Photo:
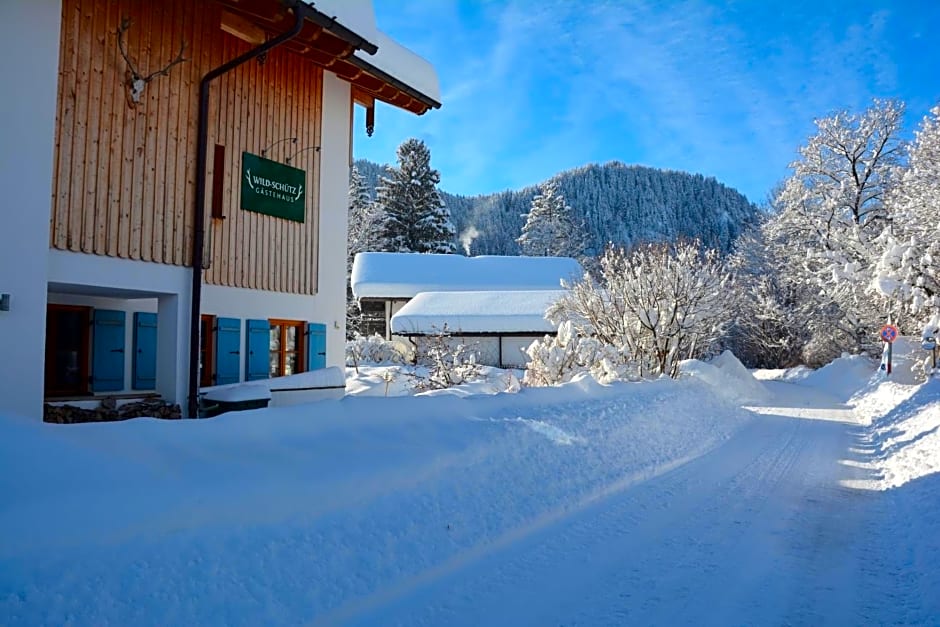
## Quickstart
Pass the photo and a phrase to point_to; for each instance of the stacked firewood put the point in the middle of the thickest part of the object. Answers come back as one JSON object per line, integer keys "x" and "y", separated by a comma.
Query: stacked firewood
{"x": 108, "y": 410}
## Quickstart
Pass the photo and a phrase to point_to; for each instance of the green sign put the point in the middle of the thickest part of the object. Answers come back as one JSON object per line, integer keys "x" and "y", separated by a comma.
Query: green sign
{"x": 273, "y": 188}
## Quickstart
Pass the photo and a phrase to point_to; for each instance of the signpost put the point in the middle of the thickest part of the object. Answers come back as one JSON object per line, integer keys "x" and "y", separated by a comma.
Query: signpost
{"x": 273, "y": 188}
{"x": 888, "y": 334}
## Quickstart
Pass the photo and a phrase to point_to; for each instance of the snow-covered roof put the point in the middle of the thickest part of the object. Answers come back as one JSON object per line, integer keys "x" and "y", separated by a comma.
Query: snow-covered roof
{"x": 403, "y": 275}
{"x": 401, "y": 63}
{"x": 391, "y": 58}
{"x": 477, "y": 312}
{"x": 356, "y": 15}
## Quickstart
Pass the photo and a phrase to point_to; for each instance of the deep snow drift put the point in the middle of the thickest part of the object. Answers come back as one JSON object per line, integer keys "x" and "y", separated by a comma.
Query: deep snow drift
{"x": 393, "y": 510}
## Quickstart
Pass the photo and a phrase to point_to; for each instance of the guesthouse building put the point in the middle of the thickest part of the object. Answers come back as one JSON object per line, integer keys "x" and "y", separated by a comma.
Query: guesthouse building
{"x": 175, "y": 179}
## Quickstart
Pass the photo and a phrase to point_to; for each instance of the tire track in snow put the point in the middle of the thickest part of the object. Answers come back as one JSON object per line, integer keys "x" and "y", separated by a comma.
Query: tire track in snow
{"x": 662, "y": 551}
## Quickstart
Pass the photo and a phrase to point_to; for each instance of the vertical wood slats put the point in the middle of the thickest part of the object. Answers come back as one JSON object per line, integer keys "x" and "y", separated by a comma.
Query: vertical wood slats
{"x": 125, "y": 176}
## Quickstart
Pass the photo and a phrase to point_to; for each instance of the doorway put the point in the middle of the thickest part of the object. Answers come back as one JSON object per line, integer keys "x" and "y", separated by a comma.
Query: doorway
{"x": 67, "y": 350}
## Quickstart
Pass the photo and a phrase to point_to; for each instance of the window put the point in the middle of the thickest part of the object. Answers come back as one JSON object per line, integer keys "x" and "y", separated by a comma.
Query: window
{"x": 373, "y": 317}
{"x": 286, "y": 347}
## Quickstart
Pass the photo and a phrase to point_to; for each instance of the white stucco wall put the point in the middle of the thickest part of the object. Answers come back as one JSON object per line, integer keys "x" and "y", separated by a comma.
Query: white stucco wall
{"x": 514, "y": 351}
{"x": 334, "y": 206}
{"x": 29, "y": 67}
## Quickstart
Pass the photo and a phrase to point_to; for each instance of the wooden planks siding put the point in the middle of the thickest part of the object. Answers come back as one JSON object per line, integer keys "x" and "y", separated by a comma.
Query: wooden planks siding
{"x": 125, "y": 176}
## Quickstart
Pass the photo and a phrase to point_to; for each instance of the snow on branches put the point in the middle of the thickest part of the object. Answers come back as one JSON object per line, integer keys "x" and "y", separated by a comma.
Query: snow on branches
{"x": 826, "y": 236}
{"x": 909, "y": 267}
{"x": 649, "y": 310}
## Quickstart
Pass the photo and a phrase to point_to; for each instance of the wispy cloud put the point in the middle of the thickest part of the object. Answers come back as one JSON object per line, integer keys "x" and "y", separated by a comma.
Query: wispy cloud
{"x": 727, "y": 90}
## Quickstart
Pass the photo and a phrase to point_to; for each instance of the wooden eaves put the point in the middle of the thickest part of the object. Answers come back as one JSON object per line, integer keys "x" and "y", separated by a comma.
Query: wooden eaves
{"x": 331, "y": 48}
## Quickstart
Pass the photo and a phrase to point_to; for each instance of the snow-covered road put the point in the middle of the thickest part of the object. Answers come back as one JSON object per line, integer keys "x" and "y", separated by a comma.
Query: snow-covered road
{"x": 759, "y": 527}
{"x": 660, "y": 502}
{"x": 760, "y": 530}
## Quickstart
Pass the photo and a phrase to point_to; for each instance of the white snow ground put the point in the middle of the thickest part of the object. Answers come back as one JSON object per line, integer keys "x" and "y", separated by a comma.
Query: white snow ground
{"x": 663, "y": 502}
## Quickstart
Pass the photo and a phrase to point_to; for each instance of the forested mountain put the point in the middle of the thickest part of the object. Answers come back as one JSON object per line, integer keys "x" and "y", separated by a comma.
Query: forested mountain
{"x": 623, "y": 204}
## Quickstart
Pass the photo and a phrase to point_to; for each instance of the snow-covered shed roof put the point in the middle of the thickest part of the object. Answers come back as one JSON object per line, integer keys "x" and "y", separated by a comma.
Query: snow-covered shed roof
{"x": 403, "y": 275}
{"x": 477, "y": 312}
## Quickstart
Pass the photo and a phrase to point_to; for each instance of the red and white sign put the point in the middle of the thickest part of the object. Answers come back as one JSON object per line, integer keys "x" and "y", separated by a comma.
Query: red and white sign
{"x": 888, "y": 333}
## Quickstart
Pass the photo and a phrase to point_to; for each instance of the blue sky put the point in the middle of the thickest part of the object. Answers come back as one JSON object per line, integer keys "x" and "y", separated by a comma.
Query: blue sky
{"x": 725, "y": 89}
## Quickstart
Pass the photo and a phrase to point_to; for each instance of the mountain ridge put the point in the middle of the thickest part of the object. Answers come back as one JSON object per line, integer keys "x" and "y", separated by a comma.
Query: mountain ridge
{"x": 618, "y": 203}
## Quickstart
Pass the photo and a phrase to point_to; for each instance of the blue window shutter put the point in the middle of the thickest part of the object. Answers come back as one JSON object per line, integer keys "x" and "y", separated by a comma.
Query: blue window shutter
{"x": 145, "y": 351}
{"x": 228, "y": 333}
{"x": 258, "y": 341}
{"x": 316, "y": 346}
{"x": 107, "y": 361}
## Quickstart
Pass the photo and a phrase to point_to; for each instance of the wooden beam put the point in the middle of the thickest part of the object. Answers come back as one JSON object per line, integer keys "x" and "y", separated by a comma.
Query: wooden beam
{"x": 242, "y": 28}
{"x": 362, "y": 97}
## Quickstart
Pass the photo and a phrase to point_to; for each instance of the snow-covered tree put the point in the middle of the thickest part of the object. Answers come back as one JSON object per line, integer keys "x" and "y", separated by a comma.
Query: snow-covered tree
{"x": 825, "y": 237}
{"x": 558, "y": 358}
{"x": 549, "y": 229}
{"x": 365, "y": 219}
{"x": 909, "y": 268}
{"x": 768, "y": 329}
{"x": 364, "y": 234}
{"x": 416, "y": 219}
{"x": 656, "y": 306}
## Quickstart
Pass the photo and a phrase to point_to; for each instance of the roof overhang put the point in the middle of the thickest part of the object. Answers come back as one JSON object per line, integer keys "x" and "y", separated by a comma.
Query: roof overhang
{"x": 331, "y": 45}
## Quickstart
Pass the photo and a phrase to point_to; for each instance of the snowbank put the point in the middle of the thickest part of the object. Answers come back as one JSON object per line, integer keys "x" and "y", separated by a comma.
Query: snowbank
{"x": 728, "y": 377}
{"x": 842, "y": 377}
{"x": 904, "y": 431}
{"x": 278, "y": 516}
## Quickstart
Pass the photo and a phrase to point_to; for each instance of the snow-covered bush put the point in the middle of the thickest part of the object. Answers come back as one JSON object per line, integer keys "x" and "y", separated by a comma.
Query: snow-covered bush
{"x": 655, "y": 306}
{"x": 374, "y": 350}
{"x": 449, "y": 361}
{"x": 559, "y": 358}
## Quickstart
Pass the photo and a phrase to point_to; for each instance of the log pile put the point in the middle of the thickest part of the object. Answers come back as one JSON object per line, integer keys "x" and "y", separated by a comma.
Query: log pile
{"x": 108, "y": 411}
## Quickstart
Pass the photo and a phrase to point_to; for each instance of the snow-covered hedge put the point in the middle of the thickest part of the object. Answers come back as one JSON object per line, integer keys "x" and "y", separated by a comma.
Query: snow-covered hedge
{"x": 375, "y": 350}
{"x": 558, "y": 359}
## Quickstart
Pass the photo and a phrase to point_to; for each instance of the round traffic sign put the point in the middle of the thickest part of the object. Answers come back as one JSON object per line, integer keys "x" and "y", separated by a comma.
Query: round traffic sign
{"x": 889, "y": 333}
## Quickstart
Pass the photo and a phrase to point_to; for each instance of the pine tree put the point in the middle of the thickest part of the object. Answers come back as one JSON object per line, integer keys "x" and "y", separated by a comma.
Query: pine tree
{"x": 549, "y": 230}
{"x": 416, "y": 217}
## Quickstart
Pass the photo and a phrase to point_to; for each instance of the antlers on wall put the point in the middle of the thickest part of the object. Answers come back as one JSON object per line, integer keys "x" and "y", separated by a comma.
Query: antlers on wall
{"x": 134, "y": 80}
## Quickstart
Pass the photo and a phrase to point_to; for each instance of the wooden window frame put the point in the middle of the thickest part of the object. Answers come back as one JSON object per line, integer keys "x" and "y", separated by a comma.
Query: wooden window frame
{"x": 300, "y": 350}
{"x": 84, "y": 365}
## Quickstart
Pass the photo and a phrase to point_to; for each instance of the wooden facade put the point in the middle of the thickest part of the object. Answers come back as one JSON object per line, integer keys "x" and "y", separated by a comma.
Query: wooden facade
{"x": 125, "y": 175}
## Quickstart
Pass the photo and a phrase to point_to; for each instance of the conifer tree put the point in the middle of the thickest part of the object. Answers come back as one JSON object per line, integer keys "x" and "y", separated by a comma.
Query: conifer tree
{"x": 365, "y": 219}
{"x": 364, "y": 234}
{"x": 549, "y": 230}
{"x": 416, "y": 219}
